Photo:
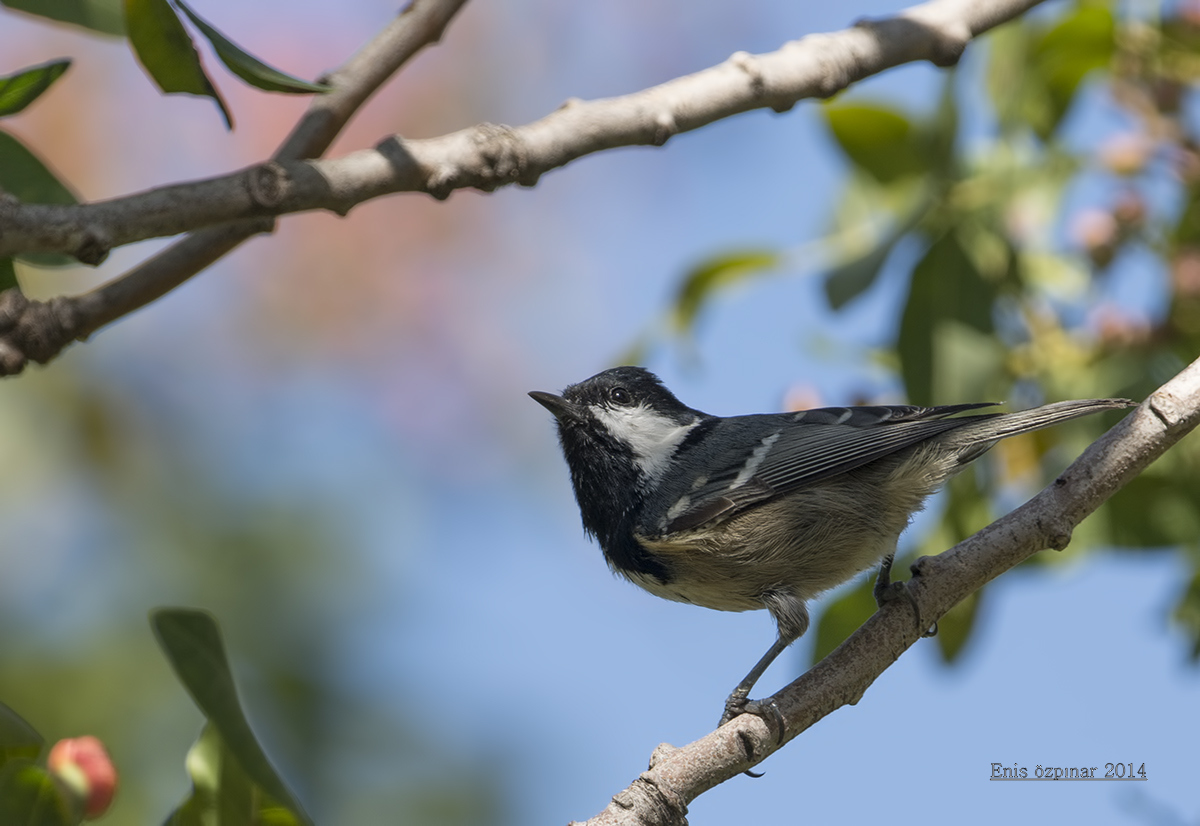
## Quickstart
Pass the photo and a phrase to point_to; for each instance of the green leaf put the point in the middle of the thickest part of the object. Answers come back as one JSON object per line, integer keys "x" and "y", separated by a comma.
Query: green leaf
{"x": 192, "y": 643}
{"x": 1077, "y": 45}
{"x": 849, "y": 280}
{"x": 168, "y": 53}
{"x": 18, "y": 739}
{"x": 104, "y": 16}
{"x": 1156, "y": 509}
{"x": 19, "y": 90}
{"x": 8, "y": 275}
{"x": 247, "y": 66}
{"x": 221, "y": 792}
{"x": 717, "y": 272}
{"x": 26, "y": 178}
{"x": 878, "y": 140}
{"x": 842, "y": 617}
{"x": 29, "y": 796}
{"x": 1187, "y": 614}
{"x": 945, "y": 287}
{"x": 1035, "y": 71}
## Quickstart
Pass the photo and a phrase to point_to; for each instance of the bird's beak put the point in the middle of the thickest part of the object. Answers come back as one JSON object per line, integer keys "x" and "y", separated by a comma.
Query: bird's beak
{"x": 560, "y": 407}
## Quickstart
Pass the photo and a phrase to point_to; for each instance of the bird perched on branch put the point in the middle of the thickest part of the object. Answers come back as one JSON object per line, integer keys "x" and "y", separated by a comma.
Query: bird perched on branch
{"x": 766, "y": 510}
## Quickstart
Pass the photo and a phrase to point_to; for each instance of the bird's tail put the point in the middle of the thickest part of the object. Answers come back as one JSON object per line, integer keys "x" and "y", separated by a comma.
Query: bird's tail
{"x": 983, "y": 432}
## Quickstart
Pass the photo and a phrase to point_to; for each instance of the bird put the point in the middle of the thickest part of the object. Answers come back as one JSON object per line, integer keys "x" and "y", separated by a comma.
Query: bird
{"x": 762, "y": 511}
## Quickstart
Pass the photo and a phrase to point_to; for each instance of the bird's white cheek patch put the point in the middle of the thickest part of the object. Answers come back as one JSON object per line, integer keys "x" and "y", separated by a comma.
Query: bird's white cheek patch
{"x": 652, "y": 438}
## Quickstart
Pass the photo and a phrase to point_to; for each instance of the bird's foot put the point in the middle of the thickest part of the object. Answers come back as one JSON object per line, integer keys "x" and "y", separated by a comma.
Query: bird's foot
{"x": 887, "y": 591}
{"x": 738, "y": 704}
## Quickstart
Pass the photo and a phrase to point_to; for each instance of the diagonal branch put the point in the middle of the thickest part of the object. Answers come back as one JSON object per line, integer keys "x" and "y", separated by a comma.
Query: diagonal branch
{"x": 38, "y": 331}
{"x": 677, "y": 776}
{"x": 484, "y": 156}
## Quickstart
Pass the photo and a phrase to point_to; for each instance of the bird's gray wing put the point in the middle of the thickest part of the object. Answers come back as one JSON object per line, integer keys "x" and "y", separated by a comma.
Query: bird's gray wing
{"x": 779, "y": 453}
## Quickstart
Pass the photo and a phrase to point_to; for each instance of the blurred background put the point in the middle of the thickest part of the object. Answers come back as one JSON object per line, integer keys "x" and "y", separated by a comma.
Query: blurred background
{"x": 325, "y": 440}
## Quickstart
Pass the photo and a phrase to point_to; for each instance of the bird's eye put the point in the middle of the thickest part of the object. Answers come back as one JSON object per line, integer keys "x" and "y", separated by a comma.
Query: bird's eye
{"x": 620, "y": 395}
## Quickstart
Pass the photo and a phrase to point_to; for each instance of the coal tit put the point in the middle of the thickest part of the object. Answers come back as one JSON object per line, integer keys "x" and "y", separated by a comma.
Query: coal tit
{"x": 761, "y": 511}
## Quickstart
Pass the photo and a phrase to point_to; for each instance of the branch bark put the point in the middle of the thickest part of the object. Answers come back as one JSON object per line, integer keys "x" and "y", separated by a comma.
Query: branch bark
{"x": 677, "y": 776}
{"x": 483, "y": 157}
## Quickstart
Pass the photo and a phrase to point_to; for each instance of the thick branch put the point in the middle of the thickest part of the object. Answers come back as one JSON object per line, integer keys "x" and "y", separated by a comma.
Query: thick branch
{"x": 487, "y": 156}
{"x": 677, "y": 776}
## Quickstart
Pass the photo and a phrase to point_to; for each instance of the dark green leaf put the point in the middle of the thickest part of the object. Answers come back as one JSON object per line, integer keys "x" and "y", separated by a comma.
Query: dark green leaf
{"x": 19, "y": 90}
{"x": 29, "y": 796}
{"x": 102, "y": 16}
{"x": 167, "y": 52}
{"x": 1080, "y": 43}
{"x": 247, "y": 66}
{"x": 8, "y": 275}
{"x": 192, "y": 643}
{"x": 716, "y": 273}
{"x": 18, "y": 739}
{"x": 1034, "y": 71}
{"x": 877, "y": 139}
{"x": 26, "y": 178}
{"x": 842, "y": 617}
{"x": 1156, "y": 510}
{"x": 945, "y": 287}
{"x": 221, "y": 791}
{"x": 955, "y": 626}
{"x": 1187, "y": 614}
{"x": 849, "y": 280}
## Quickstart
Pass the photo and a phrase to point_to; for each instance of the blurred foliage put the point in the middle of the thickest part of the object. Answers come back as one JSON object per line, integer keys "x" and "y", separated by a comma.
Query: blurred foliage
{"x": 230, "y": 772}
{"x": 272, "y": 565}
{"x": 1013, "y": 297}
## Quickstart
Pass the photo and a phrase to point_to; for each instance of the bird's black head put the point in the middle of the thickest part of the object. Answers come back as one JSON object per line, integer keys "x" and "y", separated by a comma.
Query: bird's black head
{"x": 619, "y": 430}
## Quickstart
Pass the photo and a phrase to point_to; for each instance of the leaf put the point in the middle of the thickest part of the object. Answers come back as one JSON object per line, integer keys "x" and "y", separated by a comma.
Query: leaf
{"x": 854, "y": 276}
{"x": 843, "y": 616}
{"x": 104, "y": 16}
{"x": 23, "y": 88}
{"x": 945, "y": 286}
{"x": 1080, "y": 43}
{"x": 717, "y": 272}
{"x": 167, "y": 52}
{"x": 877, "y": 139}
{"x": 8, "y": 275}
{"x": 29, "y": 796}
{"x": 247, "y": 66}
{"x": 1156, "y": 509}
{"x": 26, "y": 178}
{"x": 221, "y": 792}
{"x": 1035, "y": 71}
{"x": 192, "y": 643}
{"x": 849, "y": 280}
{"x": 18, "y": 739}
{"x": 1187, "y": 614}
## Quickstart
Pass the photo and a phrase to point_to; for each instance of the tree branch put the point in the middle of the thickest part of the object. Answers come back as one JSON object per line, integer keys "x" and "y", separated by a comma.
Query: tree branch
{"x": 38, "y": 331}
{"x": 677, "y": 776}
{"x": 484, "y": 157}
{"x": 488, "y": 156}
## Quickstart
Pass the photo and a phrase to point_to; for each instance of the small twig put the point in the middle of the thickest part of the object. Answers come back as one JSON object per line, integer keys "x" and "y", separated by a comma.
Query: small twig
{"x": 677, "y": 776}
